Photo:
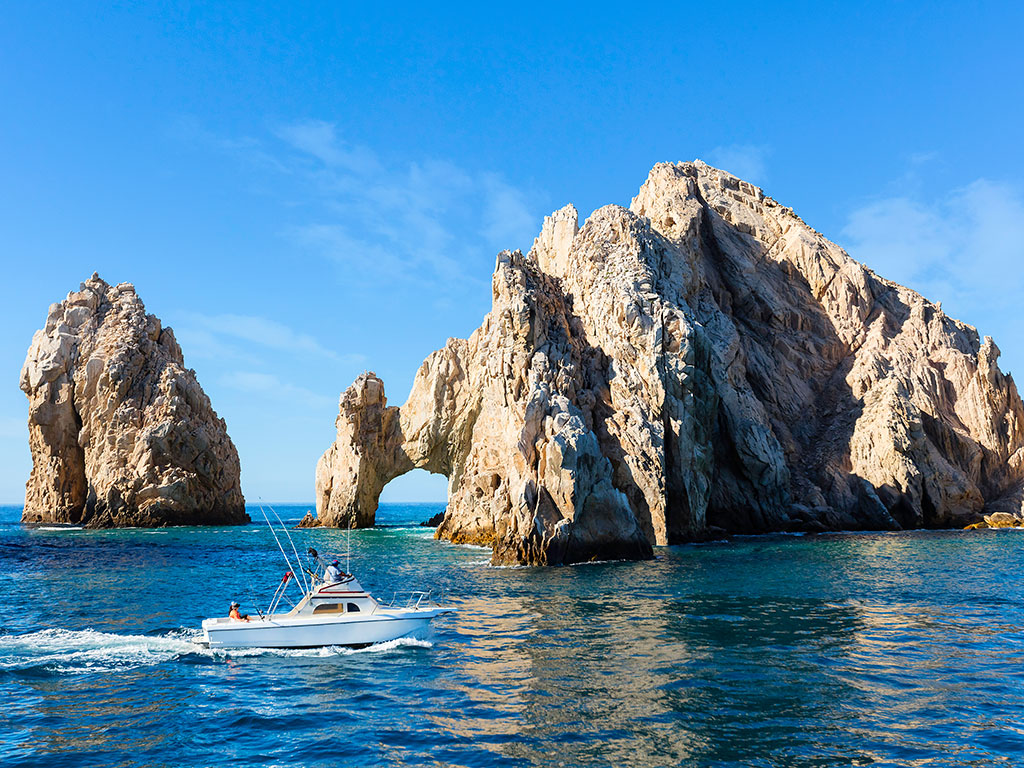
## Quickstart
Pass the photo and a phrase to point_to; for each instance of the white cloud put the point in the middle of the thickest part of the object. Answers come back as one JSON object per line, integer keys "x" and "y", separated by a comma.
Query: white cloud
{"x": 335, "y": 241}
{"x": 968, "y": 243}
{"x": 964, "y": 248}
{"x": 317, "y": 138}
{"x": 428, "y": 222}
{"x": 273, "y": 387}
{"x": 745, "y": 161}
{"x": 269, "y": 333}
{"x": 199, "y": 343}
{"x": 902, "y": 238}
{"x": 214, "y": 336}
{"x": 190, "y": 130}
{"x": 506, "y": 214}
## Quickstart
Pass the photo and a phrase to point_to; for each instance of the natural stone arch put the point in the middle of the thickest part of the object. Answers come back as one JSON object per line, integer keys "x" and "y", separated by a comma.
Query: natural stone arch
{"x": 496, "y": 414}
{"x": 369, "y": 451}
{"x": 703, "y": 362}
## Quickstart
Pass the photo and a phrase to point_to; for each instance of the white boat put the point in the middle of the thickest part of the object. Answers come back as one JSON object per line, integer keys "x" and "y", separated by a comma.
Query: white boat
{"x": 330, "y": 612}
{"x": 342, "y": 613}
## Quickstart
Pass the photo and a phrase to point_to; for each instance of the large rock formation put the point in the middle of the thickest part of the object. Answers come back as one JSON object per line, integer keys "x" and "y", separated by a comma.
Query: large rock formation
{"x": 120, "y": 431}
{"x": 701, "y": 361}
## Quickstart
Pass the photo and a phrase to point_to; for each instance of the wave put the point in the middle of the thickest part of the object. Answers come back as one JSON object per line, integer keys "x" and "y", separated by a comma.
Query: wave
{"x": 323, "y": 652}
{"x": 67, "y": 651}
{"x": 464, "y": 544}
{"x": 390, "y": 645}
{"x": 79, "y": 651}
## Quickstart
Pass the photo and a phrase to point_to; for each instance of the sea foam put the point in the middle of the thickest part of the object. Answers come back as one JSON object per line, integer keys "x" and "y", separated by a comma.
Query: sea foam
{"x": 83, "y": 651}
{"x": 87, "y": 650}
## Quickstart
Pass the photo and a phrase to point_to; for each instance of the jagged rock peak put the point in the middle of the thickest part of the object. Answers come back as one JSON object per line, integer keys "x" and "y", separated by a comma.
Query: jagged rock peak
{"x": 702, "y": 362}
{"x": 551, "y": 246}
{"x": 121, "y": 433}
{"x": 363, "y": 459}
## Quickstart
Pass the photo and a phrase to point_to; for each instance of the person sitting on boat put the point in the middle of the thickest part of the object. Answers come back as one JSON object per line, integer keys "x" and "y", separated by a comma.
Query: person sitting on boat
{"x": 234, "y": 614}
{"x": 333, "y": 572}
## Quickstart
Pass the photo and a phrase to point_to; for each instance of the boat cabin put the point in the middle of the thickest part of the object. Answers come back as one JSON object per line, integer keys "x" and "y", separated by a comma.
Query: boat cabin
{"x": 341, "y": 597}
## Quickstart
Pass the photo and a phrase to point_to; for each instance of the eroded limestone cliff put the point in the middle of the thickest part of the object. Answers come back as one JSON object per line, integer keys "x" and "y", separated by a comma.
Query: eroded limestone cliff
{"x": 120, "y": 431}
{"x": 702, "y": 361}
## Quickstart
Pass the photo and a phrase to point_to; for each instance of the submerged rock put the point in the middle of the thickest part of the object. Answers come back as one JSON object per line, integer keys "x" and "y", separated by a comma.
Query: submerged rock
{"x": 121, "y": 433}
{"x": 701, "y": 361}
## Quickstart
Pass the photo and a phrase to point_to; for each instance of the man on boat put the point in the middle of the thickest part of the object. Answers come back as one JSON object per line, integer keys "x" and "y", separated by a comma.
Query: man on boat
{"x": 333, "y": 572}
{"x": 234, "y": 614}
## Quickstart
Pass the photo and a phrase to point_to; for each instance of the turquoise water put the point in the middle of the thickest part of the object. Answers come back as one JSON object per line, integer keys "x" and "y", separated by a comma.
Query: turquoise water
{"x": 868, "y": 649}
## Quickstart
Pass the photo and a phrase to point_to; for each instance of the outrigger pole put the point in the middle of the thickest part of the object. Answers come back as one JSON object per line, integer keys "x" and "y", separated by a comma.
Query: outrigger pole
{"x": 274, "y": 534}
{"x": 306, "y": 586}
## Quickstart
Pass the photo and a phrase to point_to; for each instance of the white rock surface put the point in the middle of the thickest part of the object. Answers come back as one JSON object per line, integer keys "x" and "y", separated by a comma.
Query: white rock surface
{"x": 120, "y": 431}
{"x": 702, "y": 361}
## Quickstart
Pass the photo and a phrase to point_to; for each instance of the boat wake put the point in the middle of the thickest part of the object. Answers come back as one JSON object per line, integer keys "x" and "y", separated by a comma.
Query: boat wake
{"x": 66, "y": 651}
{"x": 71, "y": 651}
{"x": 390, "y": 645}
{"x": 323, "y": 652}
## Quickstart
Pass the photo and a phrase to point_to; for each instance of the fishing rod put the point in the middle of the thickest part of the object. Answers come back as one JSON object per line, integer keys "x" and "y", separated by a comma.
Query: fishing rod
{"x": 306, "y": 587}
{"x": 252, "y": 596}
{"x": 274, "y": 534}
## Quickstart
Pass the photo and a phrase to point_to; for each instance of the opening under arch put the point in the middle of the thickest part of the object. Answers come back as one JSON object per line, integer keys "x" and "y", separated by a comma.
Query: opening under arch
{"x": 416, "y": 496}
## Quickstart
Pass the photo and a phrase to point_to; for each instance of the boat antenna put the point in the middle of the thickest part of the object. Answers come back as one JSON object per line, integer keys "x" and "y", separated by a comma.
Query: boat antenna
{"x": 305, "y": 585}
{"x": 274, "y": 534}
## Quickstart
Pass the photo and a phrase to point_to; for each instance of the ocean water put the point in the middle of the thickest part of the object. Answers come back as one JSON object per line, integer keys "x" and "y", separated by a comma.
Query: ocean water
{"x": 870, "y": 649}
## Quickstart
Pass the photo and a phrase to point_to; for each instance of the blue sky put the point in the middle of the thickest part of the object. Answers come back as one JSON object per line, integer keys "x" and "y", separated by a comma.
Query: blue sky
{"x": 310, "y": 191}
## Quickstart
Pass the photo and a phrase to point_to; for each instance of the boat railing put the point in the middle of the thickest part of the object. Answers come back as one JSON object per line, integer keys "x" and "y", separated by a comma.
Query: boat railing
{"x": 411, "y": 599}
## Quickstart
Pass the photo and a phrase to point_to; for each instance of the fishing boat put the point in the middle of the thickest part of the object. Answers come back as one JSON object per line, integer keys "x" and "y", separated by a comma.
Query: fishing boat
{"x": 333, "y": 609}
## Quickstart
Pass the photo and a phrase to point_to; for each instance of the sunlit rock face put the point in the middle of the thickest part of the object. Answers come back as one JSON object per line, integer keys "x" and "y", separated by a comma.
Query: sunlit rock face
{"x": 701, "y": 362}
{"x": 120, "y": 431}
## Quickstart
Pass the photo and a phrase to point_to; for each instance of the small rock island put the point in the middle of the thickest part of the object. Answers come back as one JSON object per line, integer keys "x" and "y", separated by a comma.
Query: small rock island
{"x": 121, "y": 433}
{"x": 700, "y": 363}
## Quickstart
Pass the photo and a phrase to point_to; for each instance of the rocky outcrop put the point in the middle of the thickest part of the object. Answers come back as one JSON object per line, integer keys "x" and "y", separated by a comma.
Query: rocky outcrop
{"x": 997, "y": 520}
{"x": 702, "y": 361}
{"x": 366, "y": 455}
{"x": 433, "y": 521}
{"x": 120, "y": 431}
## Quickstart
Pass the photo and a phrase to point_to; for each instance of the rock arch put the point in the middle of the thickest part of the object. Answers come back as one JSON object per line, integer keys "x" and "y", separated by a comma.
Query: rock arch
{"x": 701, "y": 360}
{"x": 368, "y": 453}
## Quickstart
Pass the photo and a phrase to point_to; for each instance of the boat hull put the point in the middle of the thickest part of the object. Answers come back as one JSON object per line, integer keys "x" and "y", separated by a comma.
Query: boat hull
{"x": 298, "y": 632}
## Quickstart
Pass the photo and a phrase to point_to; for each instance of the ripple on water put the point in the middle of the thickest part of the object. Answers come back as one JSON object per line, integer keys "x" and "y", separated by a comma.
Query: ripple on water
{"x": 66, "y": 651}
{"x": 898, "y": 649}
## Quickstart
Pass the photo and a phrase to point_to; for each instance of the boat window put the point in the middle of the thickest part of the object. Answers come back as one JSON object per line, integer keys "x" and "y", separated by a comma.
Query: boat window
{"x": 353, "y": 608}
{"x": 330, "y": 608}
